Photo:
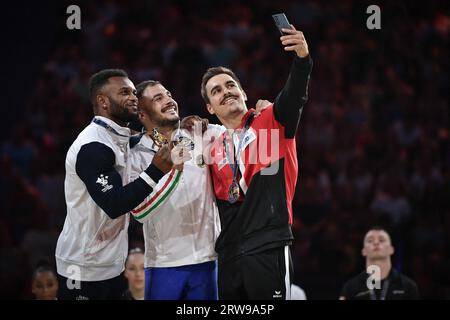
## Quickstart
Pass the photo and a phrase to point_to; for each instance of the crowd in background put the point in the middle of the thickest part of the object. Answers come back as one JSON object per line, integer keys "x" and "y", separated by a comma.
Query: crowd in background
{"x": 373, "y": 142}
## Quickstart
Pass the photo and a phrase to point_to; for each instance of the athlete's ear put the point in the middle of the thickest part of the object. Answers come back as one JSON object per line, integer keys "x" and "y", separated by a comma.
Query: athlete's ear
{"x": 245, "y": 95}
{"x": 210, "y": 108}
{"x": 102, "y": 101}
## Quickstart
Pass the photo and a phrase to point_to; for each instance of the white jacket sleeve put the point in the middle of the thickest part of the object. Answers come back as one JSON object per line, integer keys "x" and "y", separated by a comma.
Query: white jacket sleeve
{"x": 161, "y": 192}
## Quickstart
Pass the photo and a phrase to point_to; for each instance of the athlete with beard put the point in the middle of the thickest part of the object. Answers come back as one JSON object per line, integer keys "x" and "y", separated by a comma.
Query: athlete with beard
{"x": 180, "y": 217}
{"x": 93, "y": 245}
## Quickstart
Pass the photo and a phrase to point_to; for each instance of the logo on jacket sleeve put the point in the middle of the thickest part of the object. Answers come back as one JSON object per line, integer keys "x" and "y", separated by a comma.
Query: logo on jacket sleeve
{"x": 277, "y": 294}
{"x": 103, "y": 181}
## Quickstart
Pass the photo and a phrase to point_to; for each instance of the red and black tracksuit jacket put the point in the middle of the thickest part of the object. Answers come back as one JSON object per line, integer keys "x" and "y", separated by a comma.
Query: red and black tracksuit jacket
{"x": 262, "y": 217}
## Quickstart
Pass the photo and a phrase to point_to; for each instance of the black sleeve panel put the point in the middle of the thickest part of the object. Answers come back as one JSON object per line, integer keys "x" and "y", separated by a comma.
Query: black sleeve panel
{"x": 95, "y": 167}
{"x": 289, "y": 103}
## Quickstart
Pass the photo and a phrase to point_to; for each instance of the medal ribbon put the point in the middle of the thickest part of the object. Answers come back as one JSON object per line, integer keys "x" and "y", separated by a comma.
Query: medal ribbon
{"x": 234, "y": 166}
{"x": 103, "y": 124}
{"x": 383, "y": 293}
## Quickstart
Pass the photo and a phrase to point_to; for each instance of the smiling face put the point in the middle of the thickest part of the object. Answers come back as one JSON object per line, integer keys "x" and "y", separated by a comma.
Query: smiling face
{"x": 157, "y": 108}
{"x": 377, "y": 245}
{"x": 117, "y": 100}
{"x": 226, "y": 98}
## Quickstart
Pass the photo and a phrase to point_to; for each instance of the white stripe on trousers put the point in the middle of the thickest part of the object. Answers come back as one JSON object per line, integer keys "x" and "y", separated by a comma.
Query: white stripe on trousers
{"x": 287, "y": 281}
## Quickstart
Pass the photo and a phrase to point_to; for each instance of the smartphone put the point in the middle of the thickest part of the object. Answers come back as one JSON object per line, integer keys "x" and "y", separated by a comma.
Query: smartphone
{"x": 281, "y": 22}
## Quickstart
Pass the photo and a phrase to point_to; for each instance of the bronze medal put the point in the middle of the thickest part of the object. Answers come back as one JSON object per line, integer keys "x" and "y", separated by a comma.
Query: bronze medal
{"x": 233, "y": 192}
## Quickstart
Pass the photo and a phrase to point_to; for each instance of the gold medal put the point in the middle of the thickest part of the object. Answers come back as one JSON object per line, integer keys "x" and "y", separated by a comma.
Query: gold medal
{"x": 158, "y": 138}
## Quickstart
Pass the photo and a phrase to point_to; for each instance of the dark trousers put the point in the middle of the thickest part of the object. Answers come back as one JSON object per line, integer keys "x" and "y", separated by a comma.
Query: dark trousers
{"x": 111, "y": 289}
{"x": 265, "y": 275}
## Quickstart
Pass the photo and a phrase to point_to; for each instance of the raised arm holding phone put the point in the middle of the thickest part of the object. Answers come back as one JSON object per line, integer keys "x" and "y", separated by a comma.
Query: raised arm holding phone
{"x": 254, "y": 196}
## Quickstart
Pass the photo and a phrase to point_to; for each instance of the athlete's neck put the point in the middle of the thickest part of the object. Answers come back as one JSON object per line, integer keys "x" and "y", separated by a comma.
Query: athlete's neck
{"x": 166, "y": 131}
{"x": 233, "y": 122}
{"x": 120, "y": 123}
{"x": 108, "y": 116}
{"x": 384, "y": 265}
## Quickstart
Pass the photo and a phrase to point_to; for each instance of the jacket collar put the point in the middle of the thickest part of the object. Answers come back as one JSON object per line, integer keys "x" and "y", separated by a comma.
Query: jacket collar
{"x": 246, "y": 116}
{"x": 119, "y": 129}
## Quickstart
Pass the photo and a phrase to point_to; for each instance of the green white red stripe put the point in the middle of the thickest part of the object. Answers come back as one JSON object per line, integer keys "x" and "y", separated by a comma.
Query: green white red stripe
{"x": 154, "y": 201}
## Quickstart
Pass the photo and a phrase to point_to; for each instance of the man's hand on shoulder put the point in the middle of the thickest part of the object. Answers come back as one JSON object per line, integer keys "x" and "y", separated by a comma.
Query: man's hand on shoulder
{"x": 190, "y": 122}
{"x": 261, "y": 105}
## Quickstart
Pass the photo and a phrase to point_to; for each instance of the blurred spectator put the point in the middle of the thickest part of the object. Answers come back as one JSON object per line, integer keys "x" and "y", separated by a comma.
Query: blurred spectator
{"x": 380, "y": 281}
{"x": 44, "y": 284}
{"x": 134, "y": 273}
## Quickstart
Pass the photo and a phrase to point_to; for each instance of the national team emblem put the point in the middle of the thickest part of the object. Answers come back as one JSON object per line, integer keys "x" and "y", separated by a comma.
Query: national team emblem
{"x": 103, "y": 181}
